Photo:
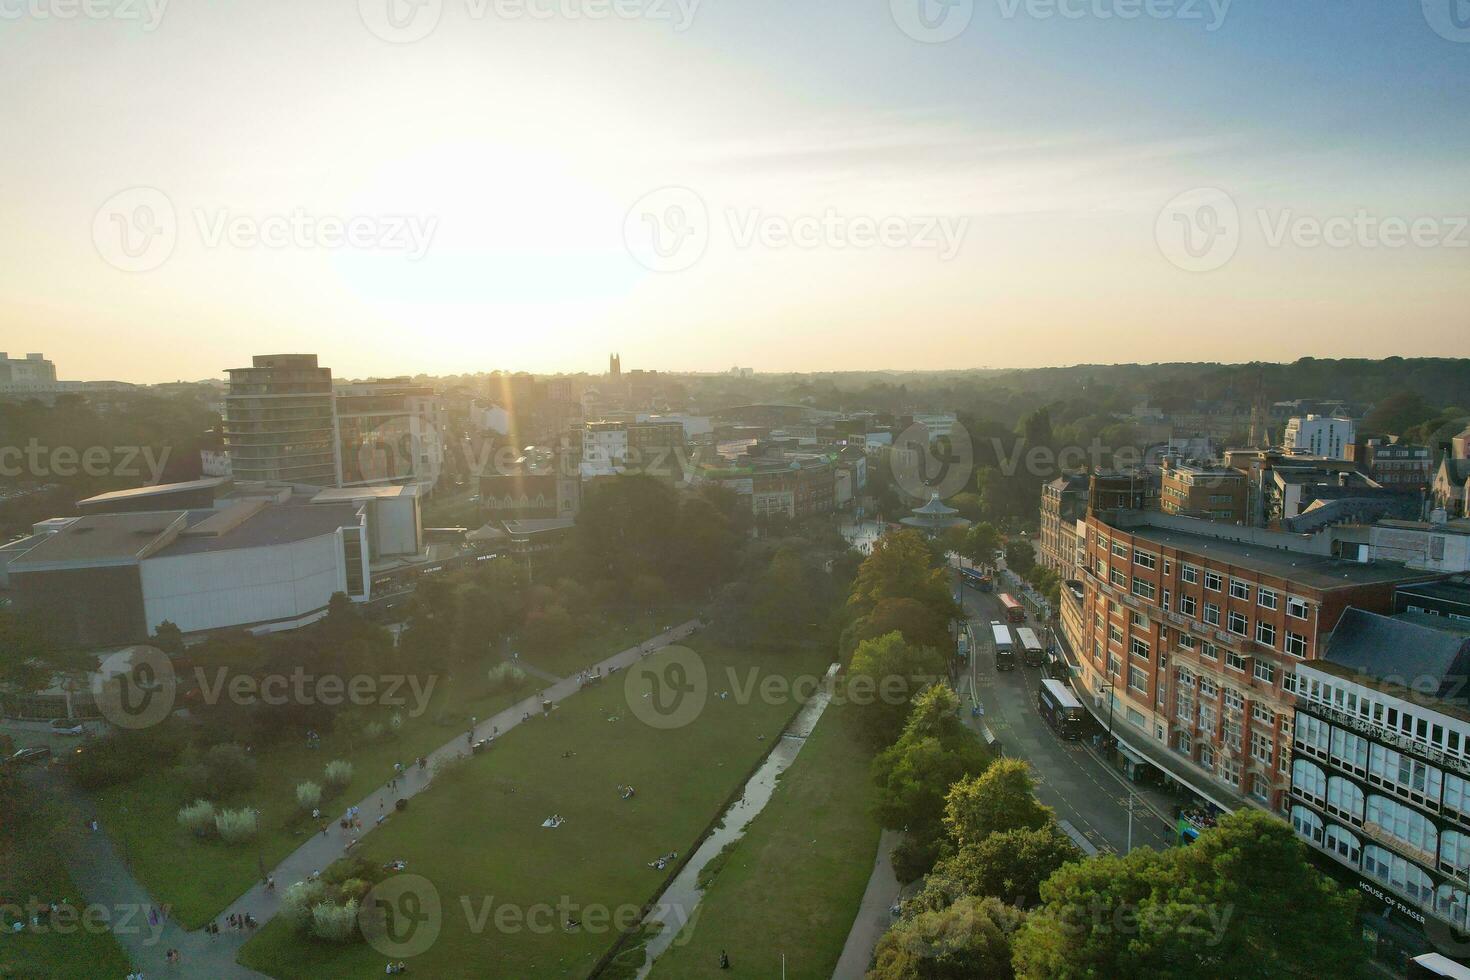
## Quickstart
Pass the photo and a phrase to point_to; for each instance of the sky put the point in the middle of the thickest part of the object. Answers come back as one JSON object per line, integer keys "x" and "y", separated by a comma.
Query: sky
{"x": 447, "y": 186}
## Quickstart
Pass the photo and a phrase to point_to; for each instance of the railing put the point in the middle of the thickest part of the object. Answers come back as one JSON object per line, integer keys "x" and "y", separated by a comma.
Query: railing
{"x": 1388, "y": 736}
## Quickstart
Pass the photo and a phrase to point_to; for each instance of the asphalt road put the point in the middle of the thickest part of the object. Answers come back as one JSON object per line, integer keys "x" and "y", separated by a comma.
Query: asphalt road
{"x": 1078, "y": 785}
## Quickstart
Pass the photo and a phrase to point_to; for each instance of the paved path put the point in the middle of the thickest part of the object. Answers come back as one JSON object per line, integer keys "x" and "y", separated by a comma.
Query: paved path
{"x": 545, "y": 675}
{"x": 103, "y": 877}
{"x": 105, "y": 881}
{"x": 873, "y": 916}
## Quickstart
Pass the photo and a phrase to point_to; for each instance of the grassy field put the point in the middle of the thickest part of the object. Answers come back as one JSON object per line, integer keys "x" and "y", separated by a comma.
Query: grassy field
{"x": 793, "y": 883}
{"x": 202, "y": 877}
{"x": 614, "y": 630}
{"x": 76, "y": 953}
{"x": 477, "y": 835}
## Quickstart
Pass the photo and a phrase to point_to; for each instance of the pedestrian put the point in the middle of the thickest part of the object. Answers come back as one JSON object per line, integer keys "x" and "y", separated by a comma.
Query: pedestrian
{"x": 724, "y": 960}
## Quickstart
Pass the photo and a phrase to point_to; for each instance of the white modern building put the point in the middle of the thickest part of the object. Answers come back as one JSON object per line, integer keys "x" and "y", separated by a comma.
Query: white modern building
{"x": 1320, "y": 435}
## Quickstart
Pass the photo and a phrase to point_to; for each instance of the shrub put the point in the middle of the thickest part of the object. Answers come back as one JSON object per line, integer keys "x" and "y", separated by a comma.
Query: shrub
{"x": 236, "y": 826}
{"x": 221, "y": 771}
{"x": 354, "y": 890}
{"x": 506, "y": 678}
{"x": 338, "y": 773}
{"x": 373, "y": 732}
{"x": 125, "y": 756}
{"x": 197, "y": 818}
{"x": 299, "y": 900}
{"x": 308, "y": 795}
{"x": 336, "y": 923}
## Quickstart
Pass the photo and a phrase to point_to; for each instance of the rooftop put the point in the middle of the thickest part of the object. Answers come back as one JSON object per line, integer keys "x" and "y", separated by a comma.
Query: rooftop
{"x": 157, "y": 490}
{"x": 1305, "y": 568}
{"x": 346, "y": 494}
{"x": 1395, "y": 650}
{"x": 274, "y": 525}
{"x": 103, "y": 539}
{"x": 1447, "y": 591}
{"x": 538, "y": 526}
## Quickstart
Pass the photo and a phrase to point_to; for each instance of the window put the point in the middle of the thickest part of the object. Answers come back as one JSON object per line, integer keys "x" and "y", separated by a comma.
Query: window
{"x": 1118, "y": 578}
{"x": 1183, "y": 742}
{"x": 1454, "y": 853}
{"x": 1187, "y": 605}
{"x": 1144, "y": 560}
{"x": 1102, "y": 568}
{"x": 1296, "y": 608}
{"x": 1184, "y": 707}
{"x": 1120, "y": 550}
{"x": 1206, "y": 757}
{"x": 1208, "y": 687}
{"x": 1234, "y": 660}
{"x": 1230, "y": 772}
{"x": 1139, "y": 648}
{"x": 1266, "y": 633}
{"x": 1137, "y": 679}
{"x": 1137, "y": 620}
{"x": 1233, "y": 700}
{"x": 1403, "y": 823}
{"x": 1344, "y": 843}
{"x": 1143, "y": 588}
{"x": 1345, "y": 799}
{"x": 1239, "y": 589}
{"x": 1209, "y": 651}
{"x": 1311, "y": 733}
{"x": 1168, "y": 566}
{"x": 1309, "y": 780}
{"x": 1213, "y": 581}
{"x": 1166, "y": 601}
{"x": 1262, "y": 715}
{"x": 1115, "y": 633}
{"x": 1212, "y": 614}
{"x": 1397, "y": 873}
{"x": 1264, "y": 671}
{"x": 1261, "y": 747}
{"x": 1189, "y": 573}
{"x": 1113, "y": 665}
{"x": 1238, "y": 624}
{"x": 1186, "y": 641}
{"x": 1306, "y": 823}
{"x": 1349, "y": 751}
{"x": 1296, "y": 644}
{"x": 1266, "y": 598}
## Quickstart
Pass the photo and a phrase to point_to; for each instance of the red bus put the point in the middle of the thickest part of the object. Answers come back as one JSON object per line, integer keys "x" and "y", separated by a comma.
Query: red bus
{"x": 1015, "y": 612}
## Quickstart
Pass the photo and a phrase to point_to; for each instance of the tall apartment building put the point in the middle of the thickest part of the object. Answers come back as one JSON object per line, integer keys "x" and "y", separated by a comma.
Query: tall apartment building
{"x": 1193, "y": 489}
{"x": 280, "y": 421}
{"x": 1190, "y": 631}
{"x": 33, "y": 369}
{"x": 1398, "y": 465}
{"x": 1063, "y": 501}
{"x": 1380, "y": 778}
{"x": 1320, "y": 435}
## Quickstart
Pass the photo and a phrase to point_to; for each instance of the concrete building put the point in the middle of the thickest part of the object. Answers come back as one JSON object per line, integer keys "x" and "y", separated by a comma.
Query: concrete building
{"x": 1063, "y": 501}
{"x": 1380, "y": 777}
{"x": 1206, "y": 490}
{"x": 389, "y": 431}
{"x": 111, "y": 578}
{"x": 1320, "y": 435}
{"x": 1190, "y": 629}
{"x": 1398, "y": 465}
{"x": 33, "y": 369}
{"x": 280, "y": 421}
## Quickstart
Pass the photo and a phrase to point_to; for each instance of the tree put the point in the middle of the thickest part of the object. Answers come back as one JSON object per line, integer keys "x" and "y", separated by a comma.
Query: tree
{"x": 169, "y": 638}
{"x": 971, "y": 938}
{"x": 982, "y": 541}
{"x": 914, "y": 775}
{"x": 901, "y": 567}
{"x": 1009, "y": 864}
{"x": 1242, "y": 901}
{"x": 1020, "y": 558}
{"x": 919, "y": 624}
{"x": 1400, "y": 411}
{"x": 1001, "y": 799}
{"x": 885, "y": 673}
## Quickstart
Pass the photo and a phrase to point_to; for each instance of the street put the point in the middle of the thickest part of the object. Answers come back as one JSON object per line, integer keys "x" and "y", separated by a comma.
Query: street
{"x": 1082, "y": 788}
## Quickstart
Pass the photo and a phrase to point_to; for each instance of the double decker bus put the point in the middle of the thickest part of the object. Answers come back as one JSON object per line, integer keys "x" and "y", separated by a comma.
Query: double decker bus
{"x": 1061, "y": 709}
{"x": 1015, "y": 612}
{"x": 962, "y": 644}
{"x": 1030, "y": 645}
{"x": 976, "y": 579}
{"x": 1005, "y": 650}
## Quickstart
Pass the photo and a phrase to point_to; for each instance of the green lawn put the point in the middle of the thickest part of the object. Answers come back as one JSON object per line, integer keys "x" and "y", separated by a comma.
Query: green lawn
{"x": 793, "y": 883}
{"x": 477, "y": 835}
{"x": 200, "y": 878}
{"x": 612, "y": 631}
{"x": 77, "y": 953}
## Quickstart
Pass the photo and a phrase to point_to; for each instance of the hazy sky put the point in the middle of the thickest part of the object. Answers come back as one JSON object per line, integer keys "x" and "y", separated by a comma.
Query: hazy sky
{"x": 814, "y": 185}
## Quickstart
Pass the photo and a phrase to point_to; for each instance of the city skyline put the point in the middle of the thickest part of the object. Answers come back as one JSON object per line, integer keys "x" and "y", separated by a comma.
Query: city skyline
{"x": 714, "y": 185}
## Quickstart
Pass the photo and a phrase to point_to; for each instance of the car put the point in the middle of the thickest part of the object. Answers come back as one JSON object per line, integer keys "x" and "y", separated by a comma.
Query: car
{"x": 36, "y": 755}
{"x": 65, "y": 726}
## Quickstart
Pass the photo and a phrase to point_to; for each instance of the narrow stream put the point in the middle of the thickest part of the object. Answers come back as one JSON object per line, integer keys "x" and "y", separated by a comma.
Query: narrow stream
{"x": 678, "y": 902}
